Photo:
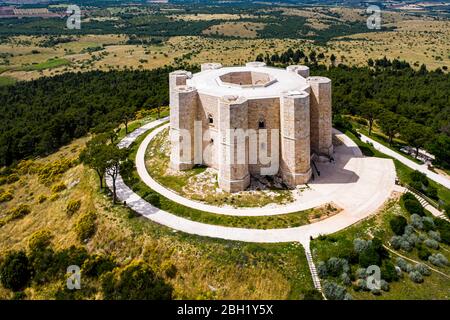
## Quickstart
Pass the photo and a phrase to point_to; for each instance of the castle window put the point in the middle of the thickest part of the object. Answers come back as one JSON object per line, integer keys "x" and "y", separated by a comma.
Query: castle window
{"x": 210, "y": 119}
{"x": 261, "y": 124}
{"x": 211, "y": 141}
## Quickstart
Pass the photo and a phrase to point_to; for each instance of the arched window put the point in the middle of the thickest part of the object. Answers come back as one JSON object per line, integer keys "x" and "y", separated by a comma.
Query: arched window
{"x": 261, "y": 124}
{"x": 210, "y": 119}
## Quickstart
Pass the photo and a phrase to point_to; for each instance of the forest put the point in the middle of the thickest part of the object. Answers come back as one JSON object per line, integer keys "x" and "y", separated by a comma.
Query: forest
{"x": 41, "y": 115}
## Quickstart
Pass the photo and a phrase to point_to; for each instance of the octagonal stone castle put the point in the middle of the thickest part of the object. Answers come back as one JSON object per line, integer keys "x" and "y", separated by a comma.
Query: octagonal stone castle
{"x": 219, "y": 99}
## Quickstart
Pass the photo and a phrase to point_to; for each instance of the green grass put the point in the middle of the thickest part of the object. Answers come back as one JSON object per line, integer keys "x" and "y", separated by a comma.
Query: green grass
{"x": 294, "y": 219}
{"x": 49, "y": 64}
{"x": 6, "y": 81}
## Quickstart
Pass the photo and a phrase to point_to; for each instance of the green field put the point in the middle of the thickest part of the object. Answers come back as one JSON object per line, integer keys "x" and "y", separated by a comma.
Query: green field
{"x": 49, "y": 64}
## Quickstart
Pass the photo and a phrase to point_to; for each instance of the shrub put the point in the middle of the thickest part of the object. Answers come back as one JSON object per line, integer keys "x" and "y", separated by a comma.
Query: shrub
{"x": 39, "y": 240}
{"x": 388, "y": 272}
{"x": 416, "y": 221}
{"x": 169, "y": 269}
{"x": 312, "y": 294}
{"x": 136, "y": 281}
{"x": 345, "y": 278}
{"x": 431, "y": 192}
{"x": 406, "y": 245}
{"x": 361, "y": 273}
{"x": 419, "y": 177}
{"x": 333, "y": 291}
{"x": 438, "y": 259}
{"x": 42, "y": 198}
{"x": 384, "y": 285}
{"x": 58, "y": 187}
{"x": 428, "y": 223}
{"x": 153, "y": 198}
{"x": 398, "y": 224}
{"x": 369, "y": 257}
{"x": 360, "y": 245}
{"x": 336, "y": 266}
{"x": 12, "y": 178}
{"x": 444, "y": 229}
{"x": 422, "y": 269}
{"x": 52, "y": 171}
{"x": 435, "y": 235}
{"x": 97, "y": 264}
{"x": 396, "y": 242}
{"x": 86, "y": 226}
{"x": 73, "y": 206}
{"x": 53, "y": 197}
{"x": 6, "y": 196}
{"x": 414, "y": 207}
{"x": 423, "y": 253}
{"x": 433, "y": 244}
{"x": 402, "y": 264}
{"x": 19, "y": 212}
{"x": 360, "y": 285}
{"x": 15, "y": 271}
{"x": 322, "y": 269}
{"x": 416, "y": 277}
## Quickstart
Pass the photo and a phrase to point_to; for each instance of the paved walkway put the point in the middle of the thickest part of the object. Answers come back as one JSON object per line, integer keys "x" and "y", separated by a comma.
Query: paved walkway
{"x": 368, "y": 182}
{"x": 422, "y": 168}
{"x": 130, "y": 138}
{"x": 301, "y": 234}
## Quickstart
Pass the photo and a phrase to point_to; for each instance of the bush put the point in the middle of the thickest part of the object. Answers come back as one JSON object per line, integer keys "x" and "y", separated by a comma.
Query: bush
{"x": 12, "y": 178}
{"x": 73, "y": 206}
{"x": 58, "y": 187}
{"x": 432, "y": 192}
{"x": 345, "y": 278}
{"x": 169, "y": 269}
{"x": 396, "y": 242}
{"x": 418, "y": 176}
{"x": 398, "y": 224}
{"x": 435, "y": 235}
{"x": 444, "y": 229}
{"x": 423, "y": 253}
{"x": 6, "y": 196}
{"x": 19, "y": 212}
{"x": 40, "y": 240}
{"x": 153, "y": 198}
{"x": 414, "y": 207}
{"x": 15, "y": 271}
{"x": 136, "y": 281}
{"x": 322, "y": 270}
{"x": 312, "y": 294}
{"x": 403, "y": 265}
{"x": 360, "y": 245}
{"x": 422, "y": 269}
{"x": 86, "y": 226}
{"x": 369, "y": 257}
{"x": 416, "y": 221}
{"x": 416, "y": 277}
{"x": 438, "y": 259}
{"x": 406, "y": 245}
{"x": 361, "y": 273}
{"x": 333, "y": 291}
{"x": 428, "y": 223}
{"x": 97, "y": 264}
{"x": 384, "y": 285}
{"x": 430, "y": 243}
{"x": 388, "y": 272}
{"x": 336, "y": 266}
{"x": 42, "y": 198}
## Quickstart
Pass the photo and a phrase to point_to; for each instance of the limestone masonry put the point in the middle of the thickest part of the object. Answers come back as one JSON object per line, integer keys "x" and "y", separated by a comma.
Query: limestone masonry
{"x": 290, "y": 106}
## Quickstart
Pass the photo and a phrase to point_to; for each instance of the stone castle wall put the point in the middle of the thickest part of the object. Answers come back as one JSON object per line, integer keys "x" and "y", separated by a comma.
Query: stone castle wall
{"x": 303, "y": 119}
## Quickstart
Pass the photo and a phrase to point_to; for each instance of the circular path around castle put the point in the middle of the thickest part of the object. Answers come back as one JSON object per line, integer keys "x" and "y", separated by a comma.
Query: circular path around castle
{"x": 370, "y": 184}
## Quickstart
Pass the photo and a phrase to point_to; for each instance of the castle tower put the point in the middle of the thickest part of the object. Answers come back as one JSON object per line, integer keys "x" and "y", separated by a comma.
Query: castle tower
{"x": 295, "y": 137}
{"x": 320, "y": 115}
{"x": 183, "y": 105}
{"x": 210, "y": 66}
{"x": 233, "y": 149}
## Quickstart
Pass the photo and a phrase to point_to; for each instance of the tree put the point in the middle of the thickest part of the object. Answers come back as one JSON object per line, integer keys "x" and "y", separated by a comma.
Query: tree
{"x": 95, "y": 156}
{"x": 136, "y": 281}
{"x": 440, "y": 147}
{"x": 15, "y": 270}
{"x": 370, "y": 111}
{"x": 114, "y": 159}
{"x": 333, "y": 59}
{"x": 416, "y": 135}
{"x": 389, "y": 123}
{"x": 398, "y": 224}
